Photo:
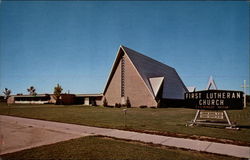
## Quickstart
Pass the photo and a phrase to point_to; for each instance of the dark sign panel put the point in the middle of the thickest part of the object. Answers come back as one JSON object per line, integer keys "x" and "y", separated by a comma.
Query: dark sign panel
{"x": 215, "y": 100}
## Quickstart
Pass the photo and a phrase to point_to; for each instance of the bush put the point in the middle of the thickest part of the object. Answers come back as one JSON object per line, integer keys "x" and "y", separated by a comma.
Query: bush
{"x": 159, "y": 103}
{"x": 143, "y": 106}
{"x": 118, "y": 105}
{"x": 94, "y": 103}
{"x": 105, "y": 102}
{"x": 128, "y": 104}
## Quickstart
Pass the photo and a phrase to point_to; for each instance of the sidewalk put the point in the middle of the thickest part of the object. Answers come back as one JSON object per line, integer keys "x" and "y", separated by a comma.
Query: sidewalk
{"x": 70, "y": 131}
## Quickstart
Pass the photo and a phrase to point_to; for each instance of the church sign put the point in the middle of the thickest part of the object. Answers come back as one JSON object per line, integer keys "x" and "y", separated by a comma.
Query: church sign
{"x": 214, "y": 100}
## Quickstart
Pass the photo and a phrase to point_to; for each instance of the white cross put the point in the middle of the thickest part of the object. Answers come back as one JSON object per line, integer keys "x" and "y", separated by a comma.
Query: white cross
{"x": 245, "y": 86}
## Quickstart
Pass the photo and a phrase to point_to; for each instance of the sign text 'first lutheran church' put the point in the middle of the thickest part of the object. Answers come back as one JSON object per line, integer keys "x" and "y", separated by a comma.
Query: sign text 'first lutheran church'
{"x": 215, "y": 99}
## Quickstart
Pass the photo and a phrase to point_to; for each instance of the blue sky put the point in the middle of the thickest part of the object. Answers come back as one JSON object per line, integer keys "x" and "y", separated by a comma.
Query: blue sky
{"x": 74, "y": 43}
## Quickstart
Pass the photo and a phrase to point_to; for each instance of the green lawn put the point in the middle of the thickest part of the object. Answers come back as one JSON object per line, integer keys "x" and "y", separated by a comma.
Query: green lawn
{"x": 166, "y": 120}
{"x": 99, "y": 148}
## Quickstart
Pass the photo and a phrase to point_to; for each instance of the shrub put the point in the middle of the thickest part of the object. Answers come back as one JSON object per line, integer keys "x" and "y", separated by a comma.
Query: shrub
{"x": 118, "y": 105}
{"x": 159, "y": 103}
{"x": 94, "y": 103}
{"x": 143, "y": 106}
{"x": 105, "y": 102}
{"x": 128, "y": 104}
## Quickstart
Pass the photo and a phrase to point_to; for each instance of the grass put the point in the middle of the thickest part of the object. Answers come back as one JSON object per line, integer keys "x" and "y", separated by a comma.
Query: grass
{"x": 100, "y": 148}
{"x": 171, "y": 120}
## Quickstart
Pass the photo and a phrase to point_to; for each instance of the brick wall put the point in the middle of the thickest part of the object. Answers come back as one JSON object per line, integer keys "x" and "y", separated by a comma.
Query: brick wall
{"x": 113, "y": 93}
{"x": 135, "y": 88}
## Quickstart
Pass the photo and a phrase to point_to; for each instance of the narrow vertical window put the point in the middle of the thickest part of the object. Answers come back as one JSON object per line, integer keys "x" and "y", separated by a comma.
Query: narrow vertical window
{"x": 122, "y": 77}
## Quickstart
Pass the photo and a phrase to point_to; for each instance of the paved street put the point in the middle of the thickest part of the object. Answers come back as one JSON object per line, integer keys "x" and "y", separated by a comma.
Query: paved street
{"x": 22, "y": 133}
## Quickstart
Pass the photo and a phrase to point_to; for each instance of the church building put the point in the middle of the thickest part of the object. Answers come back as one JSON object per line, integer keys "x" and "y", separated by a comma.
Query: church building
{"x": 143, "y": 81}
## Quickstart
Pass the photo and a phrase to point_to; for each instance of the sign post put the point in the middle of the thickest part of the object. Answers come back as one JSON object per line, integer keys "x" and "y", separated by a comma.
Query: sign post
{"x": 125, "y": 118}
{"x": 228, "y": 120}
{"x": 196, "y": 116}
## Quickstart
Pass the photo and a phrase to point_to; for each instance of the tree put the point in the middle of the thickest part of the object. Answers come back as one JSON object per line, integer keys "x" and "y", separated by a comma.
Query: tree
{"x": 128, "y": 104}
{"x": 6, "y": 93}
{"x": 57, "y": 92}
{"x": 32, "y": 91}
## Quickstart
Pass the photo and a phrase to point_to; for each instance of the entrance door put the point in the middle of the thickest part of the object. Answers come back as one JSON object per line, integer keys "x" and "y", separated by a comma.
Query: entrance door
{"x": 86, "y": 101}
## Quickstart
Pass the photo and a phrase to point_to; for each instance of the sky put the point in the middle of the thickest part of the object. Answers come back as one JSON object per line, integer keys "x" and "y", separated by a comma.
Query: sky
{"x": 74, "y": 43}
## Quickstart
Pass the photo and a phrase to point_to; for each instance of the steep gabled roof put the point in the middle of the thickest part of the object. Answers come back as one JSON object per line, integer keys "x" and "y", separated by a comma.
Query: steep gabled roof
{"x": 173, "y": 87}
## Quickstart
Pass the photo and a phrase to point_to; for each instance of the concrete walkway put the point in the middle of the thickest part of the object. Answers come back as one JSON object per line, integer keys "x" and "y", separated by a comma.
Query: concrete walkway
{"x": 15, "y": 129}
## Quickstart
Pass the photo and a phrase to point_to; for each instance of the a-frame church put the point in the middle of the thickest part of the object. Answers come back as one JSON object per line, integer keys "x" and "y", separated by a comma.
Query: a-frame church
{"x": 143, "y": 80}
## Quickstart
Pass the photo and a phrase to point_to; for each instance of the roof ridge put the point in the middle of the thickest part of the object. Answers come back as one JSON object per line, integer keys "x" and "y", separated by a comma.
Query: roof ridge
{"x": 149, "y": 67}
{"x": 161, "y": 63}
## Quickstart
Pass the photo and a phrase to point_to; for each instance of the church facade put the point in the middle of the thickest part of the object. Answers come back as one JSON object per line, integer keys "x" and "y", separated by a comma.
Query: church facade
{"x": 142, "y": 80}
{"x": 134, "y": 77}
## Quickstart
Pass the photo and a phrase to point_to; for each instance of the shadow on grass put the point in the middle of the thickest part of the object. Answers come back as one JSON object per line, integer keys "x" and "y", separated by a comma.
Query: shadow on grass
{"x": 244, "y": 126}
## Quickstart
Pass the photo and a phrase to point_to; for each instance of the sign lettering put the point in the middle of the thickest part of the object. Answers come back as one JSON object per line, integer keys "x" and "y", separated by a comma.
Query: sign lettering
{"x": 214, "y": 100}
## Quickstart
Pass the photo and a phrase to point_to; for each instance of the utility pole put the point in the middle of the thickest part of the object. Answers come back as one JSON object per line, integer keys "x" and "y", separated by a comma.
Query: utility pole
{"x": 245, "y": 86}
